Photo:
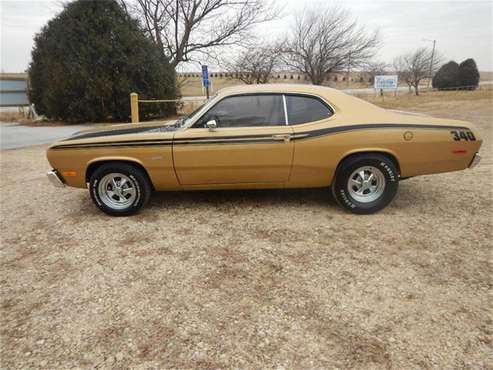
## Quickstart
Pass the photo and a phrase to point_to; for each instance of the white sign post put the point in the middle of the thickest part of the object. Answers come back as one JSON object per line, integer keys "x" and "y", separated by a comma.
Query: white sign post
{"x": 385, "y": 82}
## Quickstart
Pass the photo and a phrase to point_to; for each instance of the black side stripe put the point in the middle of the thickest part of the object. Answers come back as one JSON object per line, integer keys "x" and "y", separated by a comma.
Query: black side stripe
{"x": 329, "y": 130}
{"x": 252, "y": 139}
{"x": 114, "y": 132}
{"x": 338, "y": 129}
{"x": 115, "y": 144}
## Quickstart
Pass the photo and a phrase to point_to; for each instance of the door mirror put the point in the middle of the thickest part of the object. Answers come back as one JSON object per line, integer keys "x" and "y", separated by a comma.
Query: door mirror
{"x": 211, "y": 125}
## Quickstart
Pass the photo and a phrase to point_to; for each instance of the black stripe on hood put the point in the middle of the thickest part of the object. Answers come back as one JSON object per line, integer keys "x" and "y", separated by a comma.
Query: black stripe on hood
{"x": 122, "y": 131}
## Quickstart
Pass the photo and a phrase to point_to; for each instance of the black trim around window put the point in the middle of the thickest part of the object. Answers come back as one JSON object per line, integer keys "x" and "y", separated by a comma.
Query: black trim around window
{"x": 306, "y": 95}
{"x": 315, "y": 97}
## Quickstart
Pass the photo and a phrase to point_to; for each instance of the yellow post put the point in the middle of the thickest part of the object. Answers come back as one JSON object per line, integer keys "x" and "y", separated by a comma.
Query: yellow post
{"x": 134, "y": 107}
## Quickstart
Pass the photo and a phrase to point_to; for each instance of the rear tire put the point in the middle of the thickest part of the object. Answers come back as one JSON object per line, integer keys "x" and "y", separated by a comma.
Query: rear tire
{"x": 119, "y": 189}
{"x": 365, "y": 183}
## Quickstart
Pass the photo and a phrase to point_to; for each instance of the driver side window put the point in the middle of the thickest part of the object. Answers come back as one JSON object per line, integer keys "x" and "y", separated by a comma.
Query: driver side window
{"x": 246, "y": 111}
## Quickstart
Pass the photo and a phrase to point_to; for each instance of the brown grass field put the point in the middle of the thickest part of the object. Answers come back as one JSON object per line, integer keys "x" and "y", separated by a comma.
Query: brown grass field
{"x": 405, "y": 101}
{"x": 251, "y": 279}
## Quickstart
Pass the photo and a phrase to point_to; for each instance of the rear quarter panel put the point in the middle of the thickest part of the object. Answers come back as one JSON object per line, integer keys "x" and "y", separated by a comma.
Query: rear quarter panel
{"x": 418, "y": 150}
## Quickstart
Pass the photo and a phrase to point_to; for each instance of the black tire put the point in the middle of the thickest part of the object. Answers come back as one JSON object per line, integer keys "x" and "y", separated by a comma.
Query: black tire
{"x": 137, "y": 179}
{"x": 389, "y": 175}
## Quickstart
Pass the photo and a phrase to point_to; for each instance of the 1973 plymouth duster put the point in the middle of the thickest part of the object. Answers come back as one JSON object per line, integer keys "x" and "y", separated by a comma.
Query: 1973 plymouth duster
{"x": 265, "y": 136}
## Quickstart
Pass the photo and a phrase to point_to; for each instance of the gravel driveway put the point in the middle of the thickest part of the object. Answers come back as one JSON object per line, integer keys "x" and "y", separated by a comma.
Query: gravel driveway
{"x": 257, "y": 279}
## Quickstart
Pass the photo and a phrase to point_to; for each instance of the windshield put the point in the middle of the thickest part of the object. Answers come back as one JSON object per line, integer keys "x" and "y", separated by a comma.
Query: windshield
{"x": 183, "y": 121}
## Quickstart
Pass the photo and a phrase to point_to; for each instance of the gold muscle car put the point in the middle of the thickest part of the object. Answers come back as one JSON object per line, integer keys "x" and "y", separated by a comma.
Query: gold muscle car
{"x": 266, "y": 136}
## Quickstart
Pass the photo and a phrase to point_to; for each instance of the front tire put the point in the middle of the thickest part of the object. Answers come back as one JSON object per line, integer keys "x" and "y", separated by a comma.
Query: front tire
{"x": 119, "y": 189}
{"x": 365, "y": 183}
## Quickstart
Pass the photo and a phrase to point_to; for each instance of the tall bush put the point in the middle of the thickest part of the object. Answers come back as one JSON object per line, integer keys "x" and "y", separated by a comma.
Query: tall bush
{"x": 87, "y": 60}
{"x": 453, "y": 75}
{"x": 469, "y": 74}
{"x": 447, "y": 76}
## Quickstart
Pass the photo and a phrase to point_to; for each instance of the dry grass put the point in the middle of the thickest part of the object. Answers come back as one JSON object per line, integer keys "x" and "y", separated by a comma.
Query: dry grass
{"x": 12, "y": 116}
{"x": 410, "y": 100}
{"x": 486, "y": 76}
{"x": 249, "y": 279}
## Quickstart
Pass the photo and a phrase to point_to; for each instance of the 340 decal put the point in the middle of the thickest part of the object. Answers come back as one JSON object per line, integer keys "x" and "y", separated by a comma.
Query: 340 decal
{"x": 462, "y": 135}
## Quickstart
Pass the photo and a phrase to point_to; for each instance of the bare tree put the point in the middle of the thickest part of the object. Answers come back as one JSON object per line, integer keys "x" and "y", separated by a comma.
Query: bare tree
{"x": 183, "y": 29}
{"x": 375, "y": 68}
{"x": 327, "y": 41}
{"x": 256, "y": 65}
{"x": 414, "y": 66}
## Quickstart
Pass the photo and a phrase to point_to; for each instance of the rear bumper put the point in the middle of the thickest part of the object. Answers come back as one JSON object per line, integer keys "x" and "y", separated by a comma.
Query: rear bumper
{"x": 55, "y": 179}
{"x": 475, "y": 160}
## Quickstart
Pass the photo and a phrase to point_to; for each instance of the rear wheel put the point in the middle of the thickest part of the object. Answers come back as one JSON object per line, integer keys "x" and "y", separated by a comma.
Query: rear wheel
{"x": 119, "y": 189}
{"x": 365, "y": 183}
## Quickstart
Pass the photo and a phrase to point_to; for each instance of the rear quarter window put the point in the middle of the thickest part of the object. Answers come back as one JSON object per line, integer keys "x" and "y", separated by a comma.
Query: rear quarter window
{"x": 304, "y": 109}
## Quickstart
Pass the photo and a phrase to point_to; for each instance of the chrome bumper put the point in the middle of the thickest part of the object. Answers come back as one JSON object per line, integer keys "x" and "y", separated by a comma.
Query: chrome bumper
{"x": 55, "y": 179}
{"x": 475, "y": 160}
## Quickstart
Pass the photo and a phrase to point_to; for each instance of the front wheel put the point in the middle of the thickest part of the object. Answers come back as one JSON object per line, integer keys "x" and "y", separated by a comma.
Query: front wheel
{"x": 365, "y": 183}
{"x": 119, "y": 189}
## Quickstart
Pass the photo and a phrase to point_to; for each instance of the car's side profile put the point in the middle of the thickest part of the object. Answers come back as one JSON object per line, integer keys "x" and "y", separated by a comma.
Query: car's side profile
{"x": 266, "y": 136}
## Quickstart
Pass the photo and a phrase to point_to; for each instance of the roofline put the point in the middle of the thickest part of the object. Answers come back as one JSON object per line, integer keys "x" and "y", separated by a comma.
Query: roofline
{"x": 277, "y": 87}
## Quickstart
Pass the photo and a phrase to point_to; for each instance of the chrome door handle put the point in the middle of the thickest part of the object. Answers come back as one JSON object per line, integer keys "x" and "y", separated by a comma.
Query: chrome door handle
{"x": 282, "y": 137}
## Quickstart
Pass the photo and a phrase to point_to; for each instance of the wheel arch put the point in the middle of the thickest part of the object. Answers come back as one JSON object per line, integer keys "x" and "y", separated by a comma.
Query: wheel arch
{"x": 94, "y": 164}
{"x": 385, "y": 152}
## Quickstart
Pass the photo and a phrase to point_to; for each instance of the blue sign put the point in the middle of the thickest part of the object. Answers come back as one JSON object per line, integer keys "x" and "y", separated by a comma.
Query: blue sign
{"x": 205, "y": 76}
{"x": 386, "y": 82}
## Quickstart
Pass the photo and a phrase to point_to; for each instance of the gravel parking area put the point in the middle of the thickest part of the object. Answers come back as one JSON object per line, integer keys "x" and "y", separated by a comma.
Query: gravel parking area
{"x": 249, "y": 279}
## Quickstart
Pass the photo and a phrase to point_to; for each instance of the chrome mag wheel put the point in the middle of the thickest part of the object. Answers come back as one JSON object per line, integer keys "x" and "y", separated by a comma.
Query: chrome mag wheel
{"x": 366, "y": 184}
{"x": 117, "y": 191}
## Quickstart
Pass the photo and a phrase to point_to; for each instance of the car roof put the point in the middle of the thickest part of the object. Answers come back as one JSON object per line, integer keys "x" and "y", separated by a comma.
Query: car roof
{"x": 279, "y": 88}
{"x": 336, "y": 98}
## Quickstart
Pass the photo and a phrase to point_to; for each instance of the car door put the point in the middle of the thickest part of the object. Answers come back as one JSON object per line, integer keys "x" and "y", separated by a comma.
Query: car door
{"x": 251, "y": 143}
{"x": 311, "y": 117}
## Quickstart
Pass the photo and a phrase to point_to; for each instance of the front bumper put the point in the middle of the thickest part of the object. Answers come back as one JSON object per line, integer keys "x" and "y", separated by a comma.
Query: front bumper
{"x": 475, "y": 160}
{"x": 55, "y": 179}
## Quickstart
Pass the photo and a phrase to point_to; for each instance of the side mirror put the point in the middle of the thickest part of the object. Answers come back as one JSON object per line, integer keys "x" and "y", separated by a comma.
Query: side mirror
{"x": 211, "y": 125}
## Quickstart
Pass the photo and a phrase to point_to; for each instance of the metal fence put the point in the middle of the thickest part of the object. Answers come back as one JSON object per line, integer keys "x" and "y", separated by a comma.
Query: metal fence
{"x": 135, "y": 101}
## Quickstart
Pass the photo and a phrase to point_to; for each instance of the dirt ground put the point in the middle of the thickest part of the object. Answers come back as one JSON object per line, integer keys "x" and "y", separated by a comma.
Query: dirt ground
{"x": 258, "y": 279}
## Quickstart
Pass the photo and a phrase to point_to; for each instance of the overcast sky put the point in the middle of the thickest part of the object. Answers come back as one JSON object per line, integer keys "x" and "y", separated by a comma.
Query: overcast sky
{"x": 462, "y": 29}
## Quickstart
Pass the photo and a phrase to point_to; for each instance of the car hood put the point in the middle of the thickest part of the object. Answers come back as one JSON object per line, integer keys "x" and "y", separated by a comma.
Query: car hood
{"x": 123, "y": 129}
